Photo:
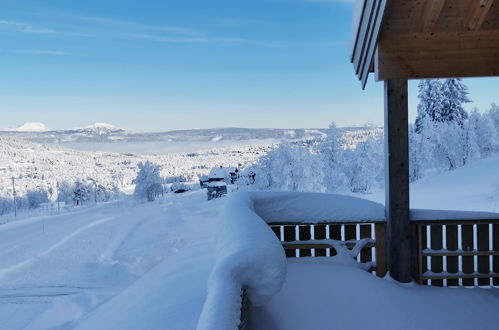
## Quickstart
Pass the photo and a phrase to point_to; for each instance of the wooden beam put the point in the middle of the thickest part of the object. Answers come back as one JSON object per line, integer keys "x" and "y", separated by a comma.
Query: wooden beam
{"x": 431, "y": 13}
{"x": 477, "y": 14}
{"x": 439, "y": 54}
{"x": 397, "y": 180}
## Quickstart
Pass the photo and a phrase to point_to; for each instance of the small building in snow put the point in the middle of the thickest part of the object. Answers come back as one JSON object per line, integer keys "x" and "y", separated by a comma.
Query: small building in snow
{"x": 227, "y": 174}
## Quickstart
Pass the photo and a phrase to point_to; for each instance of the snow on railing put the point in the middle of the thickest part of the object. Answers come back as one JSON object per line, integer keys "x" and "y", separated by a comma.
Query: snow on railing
{"x": 249, "y": 257}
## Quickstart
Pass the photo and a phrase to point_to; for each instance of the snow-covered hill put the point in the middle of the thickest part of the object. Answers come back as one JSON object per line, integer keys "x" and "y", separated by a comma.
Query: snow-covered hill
{"x": 35, "y": 165}
{"x": 102, "y": 132}
{"x": 474, "y": 187}
{"x": 29, "y": 127}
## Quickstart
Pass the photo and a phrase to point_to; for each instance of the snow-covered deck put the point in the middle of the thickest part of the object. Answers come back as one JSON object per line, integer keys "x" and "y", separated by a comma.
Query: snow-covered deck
{"x": 335, "y": 293}
{"x": 302, "y": 290}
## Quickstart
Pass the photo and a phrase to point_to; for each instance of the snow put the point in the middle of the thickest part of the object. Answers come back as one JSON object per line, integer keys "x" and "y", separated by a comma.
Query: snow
{"x": 315, "y": 207}
{"x": 220, "y": 172}
{"x": 420, "y": 214}
{"x": 31, "y": 127}
{"x": 474, "y": 187}
{"x": 136, "y": 266}
{"x": 216, "y": 184}
{"x": 248, "y": 256}
{"x": 99, "y": 126}
{"x": 332, "y": 293}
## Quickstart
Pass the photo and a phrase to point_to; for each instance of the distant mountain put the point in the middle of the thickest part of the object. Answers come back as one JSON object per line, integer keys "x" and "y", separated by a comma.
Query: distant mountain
{"x": 102, "y": 132}
{"x": 30, "y": 127}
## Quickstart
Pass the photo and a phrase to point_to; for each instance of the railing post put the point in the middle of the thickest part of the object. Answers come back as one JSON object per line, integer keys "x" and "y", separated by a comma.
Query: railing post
{"x": 380, "y": 232}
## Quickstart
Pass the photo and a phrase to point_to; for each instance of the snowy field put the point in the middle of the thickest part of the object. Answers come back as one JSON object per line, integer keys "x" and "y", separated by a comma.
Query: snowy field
{"x": 164, "y": 147}
{"x": 127, "y": 266}
{"x": 145, "y": 266}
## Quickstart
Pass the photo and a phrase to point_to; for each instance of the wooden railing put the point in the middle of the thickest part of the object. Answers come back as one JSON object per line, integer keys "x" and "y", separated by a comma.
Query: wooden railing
{"x": 317, "y": 236}
{"x": 245, "y": 310}
{"x": 457, "y": 252}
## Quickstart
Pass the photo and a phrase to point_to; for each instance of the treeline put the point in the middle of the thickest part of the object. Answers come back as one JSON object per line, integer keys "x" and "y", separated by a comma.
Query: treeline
{"x": 66, "y": 194}
{"x": 444, "y": 137}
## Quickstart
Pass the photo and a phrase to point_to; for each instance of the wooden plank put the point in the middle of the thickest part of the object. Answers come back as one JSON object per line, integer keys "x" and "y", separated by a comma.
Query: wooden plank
{"x": 315, "y": 244}
{"x": 381, "y": 251}
{"x": 335, "y": 232}
{"x": 451, "y": 237}
{"x": 483, "y": 245}
{"x": 290, "y": 236}
{"x": 477, "y": 14}
{"x": 362, "y": 35}
{"x": 465, "y": 277}
{"x": 467, "y": 245}
{"x": 329, "y": 222}
{"x": 431, "y": 253}
{"x": 397, "y": 180}
{"x": 495, "y": 247}
{"x": 431, "y": 13}
{"x": 305, "y": 235}
{"x": 350, "y": 232}
{"x": 436, "y": 244}
{"x": 320, "y": 233}
{"x": 438, "y": 55}
{"x": 244, "y": 319}
{"x": 277, "y": 231}
{"x": 368, "y": 63}
{"x": 423, "y": 260}
{"x": 456, "y": 221}
{"x": 366, "y": 253}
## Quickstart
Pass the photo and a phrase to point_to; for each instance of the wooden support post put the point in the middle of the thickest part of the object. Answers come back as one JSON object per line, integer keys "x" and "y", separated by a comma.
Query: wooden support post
{"x": 397, "y": 180}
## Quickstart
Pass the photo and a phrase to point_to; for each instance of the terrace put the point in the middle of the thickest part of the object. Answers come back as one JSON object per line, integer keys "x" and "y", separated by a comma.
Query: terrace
{"x": 331, "y": 242}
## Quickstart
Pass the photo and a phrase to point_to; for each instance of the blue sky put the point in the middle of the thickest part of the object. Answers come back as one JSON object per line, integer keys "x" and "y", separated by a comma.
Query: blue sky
{"x": 160, "y": 65}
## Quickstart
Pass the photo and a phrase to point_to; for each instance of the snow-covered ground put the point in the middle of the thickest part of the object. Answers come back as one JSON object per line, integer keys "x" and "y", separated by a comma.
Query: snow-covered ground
{"x": 325, "y": 294}
{"x": 123, "y": 266}
{"x": 145, "y": 266}
{"x": 474, "y": 187}
{"x": 164, "y": 147}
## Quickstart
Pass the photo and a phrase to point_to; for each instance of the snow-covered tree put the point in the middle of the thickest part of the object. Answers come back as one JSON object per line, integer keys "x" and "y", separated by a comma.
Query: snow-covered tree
{"x": 453, "y": 95}
{"x": 364, "y": 166}
{"x": 430, "y": 102}
{"x": 36, "y": 197}
{"x": 81, "y": 193}
{"x": 487, "y": 133}
{"x": 333, "y": 154}
{"x": 471, "y": 150}
{"x": 148, "y": 183}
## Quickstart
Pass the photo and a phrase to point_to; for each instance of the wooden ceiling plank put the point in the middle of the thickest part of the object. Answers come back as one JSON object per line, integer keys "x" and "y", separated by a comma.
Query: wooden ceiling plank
{"x": 440, "y": 41}
{"x": 478, "y": 13}
{"x": 431, "y": 13}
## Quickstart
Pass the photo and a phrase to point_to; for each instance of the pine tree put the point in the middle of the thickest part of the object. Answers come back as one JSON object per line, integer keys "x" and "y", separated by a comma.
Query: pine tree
{"x": 430, "y": 101}
{"x": 454, "y": 94}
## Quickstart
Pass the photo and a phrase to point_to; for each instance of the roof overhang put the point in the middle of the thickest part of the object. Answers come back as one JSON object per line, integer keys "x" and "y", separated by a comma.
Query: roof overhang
{"x": 414, "y": 39}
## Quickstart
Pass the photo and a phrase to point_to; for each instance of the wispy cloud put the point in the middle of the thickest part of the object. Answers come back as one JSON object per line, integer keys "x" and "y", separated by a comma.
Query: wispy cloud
{"x": 187, "y": 39}
{"x": 42, "y": 52}
{"x": 76, "y": 26}
{"x": 24, "y": 27}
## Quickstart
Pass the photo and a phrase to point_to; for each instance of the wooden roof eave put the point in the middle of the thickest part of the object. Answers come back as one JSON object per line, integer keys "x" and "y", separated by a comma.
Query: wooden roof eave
{"x": 370, "y": 15}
